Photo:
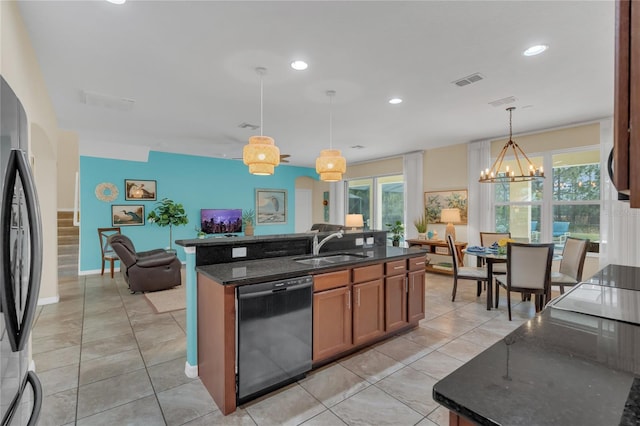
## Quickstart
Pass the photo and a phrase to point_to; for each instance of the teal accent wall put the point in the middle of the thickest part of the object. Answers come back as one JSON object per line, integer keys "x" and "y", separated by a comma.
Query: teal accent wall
{"x": 196, "y": 182}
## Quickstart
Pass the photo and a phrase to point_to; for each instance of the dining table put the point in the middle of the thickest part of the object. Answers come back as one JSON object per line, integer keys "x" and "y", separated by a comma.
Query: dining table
{"x": 491, "y": 255}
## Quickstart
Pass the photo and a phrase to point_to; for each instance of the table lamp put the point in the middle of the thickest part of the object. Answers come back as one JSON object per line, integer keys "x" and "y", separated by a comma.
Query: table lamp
{"x": 449, "y": 216}
{"x": 354, "y": 221}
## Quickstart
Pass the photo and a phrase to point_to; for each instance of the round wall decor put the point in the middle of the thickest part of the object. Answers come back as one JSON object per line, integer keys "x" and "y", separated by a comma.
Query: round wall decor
{"x": 106, "y": 192}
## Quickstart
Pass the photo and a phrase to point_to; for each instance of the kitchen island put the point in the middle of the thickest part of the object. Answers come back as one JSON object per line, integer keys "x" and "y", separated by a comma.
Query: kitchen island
{"x": 567, "y": 366}
{"x": 358, "y": 296}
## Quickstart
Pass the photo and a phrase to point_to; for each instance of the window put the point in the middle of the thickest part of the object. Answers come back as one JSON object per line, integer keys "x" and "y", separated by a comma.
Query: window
{"x": 576, "y": 195}
{"x": 380, "y": 200}
{"x": 566, "y": 203}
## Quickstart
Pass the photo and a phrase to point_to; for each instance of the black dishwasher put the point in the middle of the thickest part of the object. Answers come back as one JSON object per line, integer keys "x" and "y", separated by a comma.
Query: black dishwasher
{"x": 274, "y": 334}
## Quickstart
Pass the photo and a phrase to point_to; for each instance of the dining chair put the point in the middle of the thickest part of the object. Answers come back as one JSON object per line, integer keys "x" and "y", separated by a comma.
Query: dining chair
{"x": 108, "y": 255}
{"x": 528, "y": 271}
{"x": 572, "y": 263}
{"x": 471, "y": 273}
{"x": 486, "y": 240}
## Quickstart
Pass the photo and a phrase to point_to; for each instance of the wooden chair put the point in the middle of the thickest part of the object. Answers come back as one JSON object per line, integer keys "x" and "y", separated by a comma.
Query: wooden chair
{"x": 572, "y": 263}
{"x": 107, "y": 252}
{"x": 528, "y": 271}
{"x": 486, "y": 240}
{"x": 471, "y": 273}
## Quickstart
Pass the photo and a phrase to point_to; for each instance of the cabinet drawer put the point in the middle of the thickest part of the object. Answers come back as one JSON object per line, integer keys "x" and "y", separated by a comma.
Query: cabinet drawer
{"x": 417, "y": 263}
{"x": 330, "y": 280}
{"x": 396, "y": 267}
{"x": 367, "y": 273}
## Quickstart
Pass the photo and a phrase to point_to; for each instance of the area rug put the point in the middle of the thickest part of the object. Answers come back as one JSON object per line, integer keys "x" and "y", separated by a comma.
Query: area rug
{"x": 167, "y": 300}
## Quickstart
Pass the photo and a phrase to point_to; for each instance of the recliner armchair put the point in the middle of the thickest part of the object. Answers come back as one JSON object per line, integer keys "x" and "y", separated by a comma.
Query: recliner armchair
{"x": 147, "y": 270}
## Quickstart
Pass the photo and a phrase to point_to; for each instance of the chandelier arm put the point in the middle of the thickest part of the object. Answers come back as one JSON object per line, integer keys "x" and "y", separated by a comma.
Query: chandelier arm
{"x": 515, "y": 155}
{"x": 499, "y": 161}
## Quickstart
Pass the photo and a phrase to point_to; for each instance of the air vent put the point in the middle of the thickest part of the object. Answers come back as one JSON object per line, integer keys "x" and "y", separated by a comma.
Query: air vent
{"x": 244, "y": 125}
{"x": 106, "y": 101}
{"x": 468, "y": 80}
{"x": 357, "y": 147}
{"x": 503, "y": 101}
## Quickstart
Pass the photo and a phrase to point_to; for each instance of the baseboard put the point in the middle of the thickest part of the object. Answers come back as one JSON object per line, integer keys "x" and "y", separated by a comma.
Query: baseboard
{"x": 191, "y": 371}
{"x": 48, "y": 300}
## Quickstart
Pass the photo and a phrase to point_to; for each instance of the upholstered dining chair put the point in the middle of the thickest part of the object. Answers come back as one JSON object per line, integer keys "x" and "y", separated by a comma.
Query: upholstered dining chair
{"x": 572, "y": 263}
{"x": 486, "y": 240}
{"x": 528, "y": 271}
{"x": 471, "y": 273}
{"x": 107, "y": 253}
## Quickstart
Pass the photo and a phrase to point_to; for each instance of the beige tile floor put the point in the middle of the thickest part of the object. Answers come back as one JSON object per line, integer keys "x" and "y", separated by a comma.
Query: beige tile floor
{"x": 104, "y": 358}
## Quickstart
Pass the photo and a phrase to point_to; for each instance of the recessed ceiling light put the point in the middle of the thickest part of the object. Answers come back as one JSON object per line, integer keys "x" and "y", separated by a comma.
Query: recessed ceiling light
{"x": 535, "y": 50}
{"x": 395, "y": 101}
{"x": 299, "y": 65}
{"x": 117, "y": 1}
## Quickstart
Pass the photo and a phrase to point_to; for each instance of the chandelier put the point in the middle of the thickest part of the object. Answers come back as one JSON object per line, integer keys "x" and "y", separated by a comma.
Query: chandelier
{"x": 261, "y": 154}
{"x": 522, "y": 174}
{"x": 330, "y": 165}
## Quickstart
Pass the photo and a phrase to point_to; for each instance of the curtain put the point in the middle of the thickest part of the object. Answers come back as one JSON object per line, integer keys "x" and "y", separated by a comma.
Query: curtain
{"x": 413, "y": 170}
{"x": 480, "y": 213}
{"x": 336, "y": 202}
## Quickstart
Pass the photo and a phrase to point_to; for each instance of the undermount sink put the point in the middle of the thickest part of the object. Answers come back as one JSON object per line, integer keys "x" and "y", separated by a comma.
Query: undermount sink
{"x": 329, "y": 259}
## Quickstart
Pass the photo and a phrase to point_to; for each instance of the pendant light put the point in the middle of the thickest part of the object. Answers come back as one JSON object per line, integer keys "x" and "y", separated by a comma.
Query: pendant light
{"x": 497, "y": 175}
{"x": 330, "y": 165}
{"x": 261, "y": 154}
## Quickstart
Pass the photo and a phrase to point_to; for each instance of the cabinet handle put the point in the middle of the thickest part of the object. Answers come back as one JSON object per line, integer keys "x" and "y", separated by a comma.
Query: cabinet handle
{"x": 398, "y": 267}
{"x": 419, "y": 263}
{"x": 348, "y": 299}
{"x": 406, "y": 285}
{"x": 358, "y": 297}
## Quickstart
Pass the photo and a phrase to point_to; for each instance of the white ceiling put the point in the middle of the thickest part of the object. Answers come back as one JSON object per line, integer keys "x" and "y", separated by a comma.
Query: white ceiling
{"x": 190, "y": 68}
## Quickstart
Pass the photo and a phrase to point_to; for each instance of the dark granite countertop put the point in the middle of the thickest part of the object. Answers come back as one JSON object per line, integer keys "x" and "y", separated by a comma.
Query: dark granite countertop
{"x": 262, "y": 270}
{"x": 559, "y": 368}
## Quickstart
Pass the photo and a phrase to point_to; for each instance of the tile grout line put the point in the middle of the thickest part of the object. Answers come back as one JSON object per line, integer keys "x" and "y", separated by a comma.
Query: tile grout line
{"x": 144, "y": 362}
{"x": 84, "y": 305}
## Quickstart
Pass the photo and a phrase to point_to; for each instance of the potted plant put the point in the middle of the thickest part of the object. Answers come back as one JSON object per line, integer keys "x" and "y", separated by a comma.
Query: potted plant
{"x": 421, "y": 227}
{"x": 201, "y": 233}
{"x": 168, "y": 213}
{"x": 397, "y": 231}
{"x": 247, "y": 220}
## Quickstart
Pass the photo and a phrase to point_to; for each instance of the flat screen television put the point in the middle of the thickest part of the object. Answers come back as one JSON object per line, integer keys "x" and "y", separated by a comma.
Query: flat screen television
{"x": 221, "y": 221}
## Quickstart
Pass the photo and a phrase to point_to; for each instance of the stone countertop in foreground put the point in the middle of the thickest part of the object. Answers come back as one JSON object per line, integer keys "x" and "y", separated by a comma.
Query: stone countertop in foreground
{"x": 559, "y": 368}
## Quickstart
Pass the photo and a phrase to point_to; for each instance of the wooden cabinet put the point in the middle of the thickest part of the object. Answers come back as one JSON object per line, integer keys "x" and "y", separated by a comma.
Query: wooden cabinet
{"x": 368, "y": 303}
{"x": 354, "y": 307}
{"x": 415, "y": 296}
{"x": 626, "y": 130}
{"x": 416, "y": 289}
{"x": 395, "y": 303}
{"x": 368, "y": 311}
{"x": 331, "y": 322}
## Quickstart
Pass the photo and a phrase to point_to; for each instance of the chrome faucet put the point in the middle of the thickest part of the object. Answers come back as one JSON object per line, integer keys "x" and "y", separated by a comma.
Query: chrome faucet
{"x": 317, "y": 246}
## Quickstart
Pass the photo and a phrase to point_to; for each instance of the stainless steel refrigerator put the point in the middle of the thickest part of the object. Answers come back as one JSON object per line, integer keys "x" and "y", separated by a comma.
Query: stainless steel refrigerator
{"x": 20, "y": 266}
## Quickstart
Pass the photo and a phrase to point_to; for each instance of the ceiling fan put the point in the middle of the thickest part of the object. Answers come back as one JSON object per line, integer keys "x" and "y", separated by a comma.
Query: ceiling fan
{"x": 283, "y": 158}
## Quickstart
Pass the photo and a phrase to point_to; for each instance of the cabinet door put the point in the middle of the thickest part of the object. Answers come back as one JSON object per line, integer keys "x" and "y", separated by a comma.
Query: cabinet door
{"x": 416, "y": 296}
{"x": 395, "y": 304}
{"x": 368, "y": 311}
{"x": 331, "y": 322}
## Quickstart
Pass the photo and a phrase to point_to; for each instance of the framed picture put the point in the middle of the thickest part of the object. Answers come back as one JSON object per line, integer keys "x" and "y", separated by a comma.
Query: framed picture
{"x": 434, "y": 202}
{"x": 127, "y": 214}
{"x": 271, "y": 206}
{"x": 139, "y": 190}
